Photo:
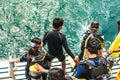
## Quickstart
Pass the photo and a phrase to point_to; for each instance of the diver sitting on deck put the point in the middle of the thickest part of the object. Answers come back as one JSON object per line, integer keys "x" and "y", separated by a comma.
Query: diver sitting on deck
{"x": 95, "y": 66}
{"x": 35, "y": 50}
{"x": 40, "y": 59}
{"x": 55, "y": 73}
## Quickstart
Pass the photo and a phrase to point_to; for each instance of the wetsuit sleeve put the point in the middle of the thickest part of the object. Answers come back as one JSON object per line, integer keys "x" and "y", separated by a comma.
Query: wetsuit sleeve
{"x": 82, "y": 50}
{"x": 44, "y": 38}
{"x": 23, "y": 58}
{"x": 79, "y": 72}
{"x": 65, "y": 45}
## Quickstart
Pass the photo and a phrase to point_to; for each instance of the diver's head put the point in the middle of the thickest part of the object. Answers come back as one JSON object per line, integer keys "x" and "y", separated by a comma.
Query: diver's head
{"x": 36, "y": 42}
{"x": 56, "y": 74}
{"x": 94, "y": 25}
{"x": 93, "y": 45}
{"x": 58, "y": 22}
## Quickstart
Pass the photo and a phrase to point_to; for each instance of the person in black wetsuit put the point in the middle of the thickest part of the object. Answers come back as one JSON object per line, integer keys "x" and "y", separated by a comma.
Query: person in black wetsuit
{"x": 93, "y": 28}
{"x": 95, "y": 66}
{"x": 56, "y": 41}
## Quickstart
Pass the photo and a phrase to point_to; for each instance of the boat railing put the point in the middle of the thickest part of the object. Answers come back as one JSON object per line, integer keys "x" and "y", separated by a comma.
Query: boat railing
{"x": 16, "y": 70}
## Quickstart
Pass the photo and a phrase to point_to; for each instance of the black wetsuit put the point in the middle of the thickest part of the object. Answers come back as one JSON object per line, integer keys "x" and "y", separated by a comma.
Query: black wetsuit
{"x": 56, "y": 41}
{"x": 87, "y": 33}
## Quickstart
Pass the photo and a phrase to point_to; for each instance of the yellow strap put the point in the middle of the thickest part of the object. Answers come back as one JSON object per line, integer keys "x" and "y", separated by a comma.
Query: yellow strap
{"x": 110, "y": 71}
{"x": 44, "y": 55}
{"x": 100, "y": 42}
{"x": 86, "y": 41}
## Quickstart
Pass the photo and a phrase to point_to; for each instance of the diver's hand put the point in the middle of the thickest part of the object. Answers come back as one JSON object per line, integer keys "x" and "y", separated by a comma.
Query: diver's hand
{"x": 76, "y": 59}
{"x": 39, "y": 68}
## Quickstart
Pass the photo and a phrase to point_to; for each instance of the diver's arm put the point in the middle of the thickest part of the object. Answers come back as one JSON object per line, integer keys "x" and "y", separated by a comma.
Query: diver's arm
{"x": 14, "y": 60}
{"x": 117, "y": 50}
{"x": 40, "y": 68}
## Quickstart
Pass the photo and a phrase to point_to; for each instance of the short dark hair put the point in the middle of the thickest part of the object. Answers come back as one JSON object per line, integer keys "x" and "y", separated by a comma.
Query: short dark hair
{"x": 118, "y": 22}
{"x": 93, "y": 45}
{"x": 95, "y": 24}
{"x": 57, "y": 22}
{"x": 56, "y": 74}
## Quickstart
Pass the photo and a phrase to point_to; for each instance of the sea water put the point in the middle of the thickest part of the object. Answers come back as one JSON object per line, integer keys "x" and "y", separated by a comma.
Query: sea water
{"x": 22, "y": 20}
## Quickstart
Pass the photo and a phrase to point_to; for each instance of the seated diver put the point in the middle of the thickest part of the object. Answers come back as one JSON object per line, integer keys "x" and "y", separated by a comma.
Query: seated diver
{"x": 36, "y": 51}
{"x": 40, "y": 59}
{"x": 85, "y": 68}
{"x": 58, "y": 74}
{"x": 55, "y": 73}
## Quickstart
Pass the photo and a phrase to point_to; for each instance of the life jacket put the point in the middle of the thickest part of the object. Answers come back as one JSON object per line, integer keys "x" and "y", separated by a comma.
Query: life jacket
{"x": 95, "y": 68}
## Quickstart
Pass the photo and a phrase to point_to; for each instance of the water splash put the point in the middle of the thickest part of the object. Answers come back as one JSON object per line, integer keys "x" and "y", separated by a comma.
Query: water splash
{"x": 21, "y": 20}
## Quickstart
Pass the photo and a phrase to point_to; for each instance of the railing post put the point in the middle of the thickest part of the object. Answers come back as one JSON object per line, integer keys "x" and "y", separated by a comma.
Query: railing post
{"x": 11, "y": 66}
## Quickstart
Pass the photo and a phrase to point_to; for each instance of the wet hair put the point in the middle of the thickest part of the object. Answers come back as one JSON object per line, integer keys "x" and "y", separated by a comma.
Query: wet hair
{"x": 57, "y": 22}
{"x": 56, "y": 74}
{"x": 95, "y": 24}
{"x": 118, "y": 22}
{"x": 93, "y": 45}
{"x": 35, "y": 42}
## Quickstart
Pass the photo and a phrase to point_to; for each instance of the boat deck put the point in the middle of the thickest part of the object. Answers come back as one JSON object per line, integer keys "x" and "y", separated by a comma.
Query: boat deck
{"x": 19, "y": 74}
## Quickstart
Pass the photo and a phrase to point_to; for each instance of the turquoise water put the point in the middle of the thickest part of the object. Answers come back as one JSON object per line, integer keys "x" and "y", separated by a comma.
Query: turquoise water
{"x": 21, "y": 20}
